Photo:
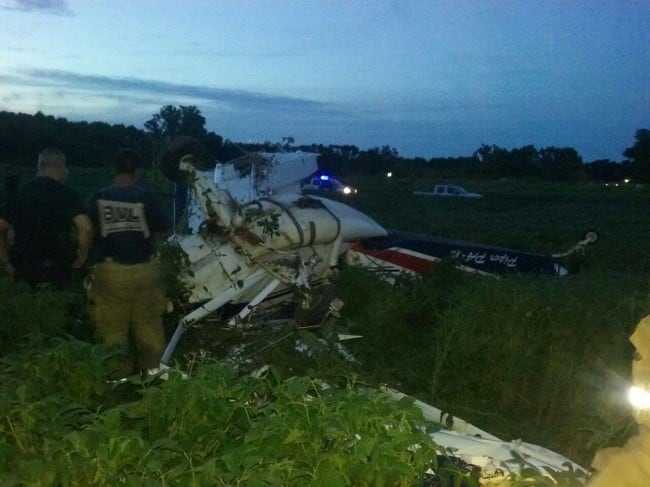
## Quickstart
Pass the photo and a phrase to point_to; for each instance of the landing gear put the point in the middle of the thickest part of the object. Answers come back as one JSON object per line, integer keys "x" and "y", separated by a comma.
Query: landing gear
{"x": 318, "y": 306}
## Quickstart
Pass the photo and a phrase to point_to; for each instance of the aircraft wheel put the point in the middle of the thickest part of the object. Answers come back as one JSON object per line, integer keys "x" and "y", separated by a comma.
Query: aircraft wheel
{"x": 324, "y": 302}
{"x": 179, "y": 147}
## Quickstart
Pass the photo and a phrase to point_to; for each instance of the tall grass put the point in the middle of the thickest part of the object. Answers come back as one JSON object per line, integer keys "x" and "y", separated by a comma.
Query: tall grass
{"x": 538, "y": 358}
{"x": 541, "y": 359}
{"x": 528, "y": 215}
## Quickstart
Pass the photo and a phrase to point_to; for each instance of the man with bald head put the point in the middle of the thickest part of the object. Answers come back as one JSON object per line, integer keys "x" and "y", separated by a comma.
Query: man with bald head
{"x": 51, "y": 231}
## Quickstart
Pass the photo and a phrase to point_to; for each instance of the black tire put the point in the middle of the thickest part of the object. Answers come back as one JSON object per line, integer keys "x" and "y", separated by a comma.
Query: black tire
{"x": 319, "y": 308}
{"x": 177, "y": 149}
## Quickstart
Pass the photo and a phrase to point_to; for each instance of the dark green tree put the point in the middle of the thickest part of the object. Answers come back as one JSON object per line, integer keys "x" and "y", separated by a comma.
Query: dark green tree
{"x": 524, "y": 161}
{"x": 560, "y": 164}
{"x": 192, "y": 122}
{"x": 605, "y": 171}
{"x": 495, "y": 160}
{"x": 376, "y": 160}
{"x": 22, "y": 136}
{"x": 639, "y": 156}
{"x": 173, "y": 121}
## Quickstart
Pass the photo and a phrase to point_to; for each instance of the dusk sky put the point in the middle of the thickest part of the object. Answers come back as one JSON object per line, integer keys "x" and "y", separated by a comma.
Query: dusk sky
{"x": 430, "y": 78}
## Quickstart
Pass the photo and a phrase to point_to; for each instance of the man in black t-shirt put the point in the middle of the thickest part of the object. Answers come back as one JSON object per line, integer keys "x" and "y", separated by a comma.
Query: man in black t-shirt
{"x": 126, "y": 298}
{"x": 51, "y": 231}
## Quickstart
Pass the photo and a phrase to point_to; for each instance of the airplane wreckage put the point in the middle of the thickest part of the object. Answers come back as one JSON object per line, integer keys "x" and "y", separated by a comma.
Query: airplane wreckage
{"x": 254, "y": 236}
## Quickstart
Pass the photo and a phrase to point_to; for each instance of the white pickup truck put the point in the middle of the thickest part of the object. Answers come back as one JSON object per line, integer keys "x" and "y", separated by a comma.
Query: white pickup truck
{"x": 448, "y": 190}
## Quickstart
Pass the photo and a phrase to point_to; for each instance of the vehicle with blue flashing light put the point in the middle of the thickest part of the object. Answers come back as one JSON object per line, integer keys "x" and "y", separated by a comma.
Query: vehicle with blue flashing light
{"x": 321, "y": 182}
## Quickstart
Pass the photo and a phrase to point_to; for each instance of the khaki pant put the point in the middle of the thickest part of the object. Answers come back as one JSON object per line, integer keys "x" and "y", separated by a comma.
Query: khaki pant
{"x": 629, "y": 466}
{"x": 126, "y": 305}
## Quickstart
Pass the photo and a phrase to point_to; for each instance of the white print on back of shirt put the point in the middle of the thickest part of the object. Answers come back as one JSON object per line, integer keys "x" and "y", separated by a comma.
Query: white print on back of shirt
{"x": 120, "y": 216}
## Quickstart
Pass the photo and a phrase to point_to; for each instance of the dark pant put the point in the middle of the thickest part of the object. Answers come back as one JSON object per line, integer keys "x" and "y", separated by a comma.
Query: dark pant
{"x": 37, "y": 271}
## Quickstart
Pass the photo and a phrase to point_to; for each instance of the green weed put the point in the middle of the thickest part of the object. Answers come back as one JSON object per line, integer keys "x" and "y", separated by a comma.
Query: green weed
{"x": 538, "y": 358}
{"x": 532, "y": 357}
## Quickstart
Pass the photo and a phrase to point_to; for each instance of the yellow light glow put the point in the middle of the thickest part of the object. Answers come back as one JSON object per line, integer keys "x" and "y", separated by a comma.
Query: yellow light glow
{"x": 347, "y": 190}
{"x": 639, "y": 397}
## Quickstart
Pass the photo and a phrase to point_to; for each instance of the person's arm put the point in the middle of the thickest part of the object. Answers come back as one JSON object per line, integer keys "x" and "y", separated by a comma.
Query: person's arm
{"x": 5, "y": 261}
{"x": 84, "y": 239}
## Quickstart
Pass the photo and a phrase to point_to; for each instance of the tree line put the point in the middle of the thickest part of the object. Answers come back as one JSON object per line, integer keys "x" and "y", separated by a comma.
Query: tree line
{"x": 93, "y": 144}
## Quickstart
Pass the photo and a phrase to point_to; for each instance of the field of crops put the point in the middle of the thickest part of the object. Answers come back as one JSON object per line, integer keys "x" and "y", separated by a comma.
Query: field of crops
{"x": 540, "y": 358}
{"x": 544, "y": 359}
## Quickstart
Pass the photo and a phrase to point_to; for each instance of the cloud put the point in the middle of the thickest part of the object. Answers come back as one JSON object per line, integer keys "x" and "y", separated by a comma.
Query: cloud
{"x": 234, "y": 114}
{"x": 103, "y": 85}
{"x": 54, "y": 7}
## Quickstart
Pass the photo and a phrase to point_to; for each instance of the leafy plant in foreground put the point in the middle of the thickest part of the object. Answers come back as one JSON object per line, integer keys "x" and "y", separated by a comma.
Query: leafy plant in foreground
{"x": 218, "y": 428}
{"x": 25, "y": 312}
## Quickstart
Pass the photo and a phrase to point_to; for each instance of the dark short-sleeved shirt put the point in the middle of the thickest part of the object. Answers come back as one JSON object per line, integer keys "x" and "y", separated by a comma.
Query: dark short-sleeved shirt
{"x": 125, "y": 219}
{"x": 42, "y": 215}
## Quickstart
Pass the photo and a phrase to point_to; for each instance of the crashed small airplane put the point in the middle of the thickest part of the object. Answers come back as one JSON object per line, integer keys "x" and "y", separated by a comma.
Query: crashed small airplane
{"x": 254, "y": 236}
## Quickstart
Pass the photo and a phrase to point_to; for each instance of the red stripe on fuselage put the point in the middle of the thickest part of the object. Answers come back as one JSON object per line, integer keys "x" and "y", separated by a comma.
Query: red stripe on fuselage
{"x": 400, "y": 257}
